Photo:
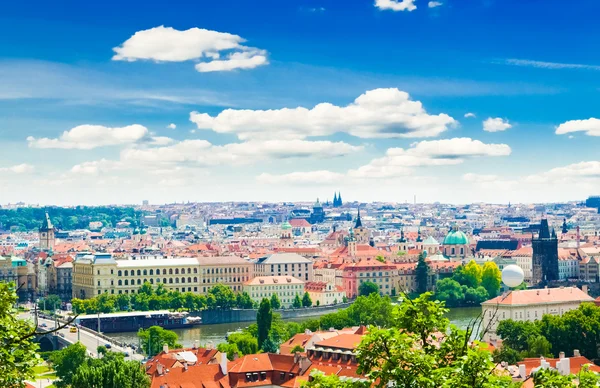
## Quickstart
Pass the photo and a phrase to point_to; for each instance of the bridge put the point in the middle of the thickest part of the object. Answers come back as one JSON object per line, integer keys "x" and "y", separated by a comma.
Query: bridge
{"x": 87, "y": 337}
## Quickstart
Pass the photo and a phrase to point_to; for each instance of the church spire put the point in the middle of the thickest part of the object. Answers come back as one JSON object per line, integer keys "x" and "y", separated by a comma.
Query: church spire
{"x": 358, "y": 220}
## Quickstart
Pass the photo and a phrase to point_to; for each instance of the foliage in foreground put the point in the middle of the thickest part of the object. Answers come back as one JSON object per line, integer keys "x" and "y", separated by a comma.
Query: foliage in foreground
{"x": 17, "y": 351}
{"x": 154, "y": 337}
{"x": 411, "y": 352}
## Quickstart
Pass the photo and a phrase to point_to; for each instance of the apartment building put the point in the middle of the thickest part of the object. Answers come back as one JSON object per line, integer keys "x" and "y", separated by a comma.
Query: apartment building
{"x": 285, "y": 287}
{"x": 285, "y": 264}
{"x": 101, "y": 273}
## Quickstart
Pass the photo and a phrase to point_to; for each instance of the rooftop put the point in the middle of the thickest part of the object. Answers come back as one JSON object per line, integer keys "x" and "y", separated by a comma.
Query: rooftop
{"x": 541, "y": 296}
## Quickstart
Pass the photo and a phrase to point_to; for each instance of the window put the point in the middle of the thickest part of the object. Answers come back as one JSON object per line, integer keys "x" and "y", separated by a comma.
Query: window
{"x": 170, "y": 280}
{"x": 120, "y": 283}
{"x": 195, "y": 280}
{"x": 126, "y": 282}
{"x": 151, "y": 272}
{"x": 170, "y": 271}
{"x": 176, "y": 271}
{"x": 164, "y": 280}
{"x": 119, "y": 273}
{"x": 182, "y": 280}
{"x": 189, "y": 280}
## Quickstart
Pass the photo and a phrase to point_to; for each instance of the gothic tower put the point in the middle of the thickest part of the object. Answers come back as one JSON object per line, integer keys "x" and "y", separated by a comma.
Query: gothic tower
{"x": 46, "y": 234}
{"x": 360, "y": 232}
{"x": 545, "y": 255}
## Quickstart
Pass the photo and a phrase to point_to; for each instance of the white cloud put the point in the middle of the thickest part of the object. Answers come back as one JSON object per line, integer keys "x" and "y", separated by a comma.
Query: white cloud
{"x": 590, "y": 127}
{"x": 171, "y": 126}
{"x": 576, "y": 172}
{"x": 322, "y": 177}
{"x": 378, "y": 113}
{"x": 433, "y": 4}
{"x": 396, "y": 5}
{"x": 87, "y": 137}
{"x": 469, "y": 114}
{"x": 550, "y": 65}
{"x": 489, "y": 182}
{"x": 23, "y": 168}
{"x": 496, "y": 125}
{"x": 166, "y": 44}
{"x": 400, "y": 162}
{"x": 470, "y": 177}
{"x": 203, "y": 153}
{"x": 96, "y": 167}
{"x": 161, "y": 140}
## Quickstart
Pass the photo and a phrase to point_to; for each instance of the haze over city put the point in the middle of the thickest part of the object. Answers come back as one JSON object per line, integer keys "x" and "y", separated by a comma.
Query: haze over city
{"x": 451, "y": 101}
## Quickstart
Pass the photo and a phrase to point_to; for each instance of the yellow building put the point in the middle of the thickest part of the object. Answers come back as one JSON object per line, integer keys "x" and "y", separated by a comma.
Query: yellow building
{"x": 101, "y": 273}
{"x": 285, "y": 287}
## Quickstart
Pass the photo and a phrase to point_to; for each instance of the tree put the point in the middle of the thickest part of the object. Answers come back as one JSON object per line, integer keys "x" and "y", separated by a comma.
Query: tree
{"x": 297, "y": 348}
{"x": 146, "y": 288}
{"x": 110, "y": 372}
{"x": 270, "y": 345}
{"x": 306, "y": 301}
{"x": 230, "y": 349}
{"x": 422, "y": 274}
{"x": 297, "y": 302}
{"x": 318, "y": 303}
{"x": 491, "y": 277}
{"x": 264, "y": 318}
{"x": 367, "y": 288}
{"x": 275, "y": 303}
{"x": 506, "y": 354}
{"x": 224, "y": 296}
{"x": 469, "y": 275}
{"x": 538, "y": 346}
{"x": 17, "y": 351}
{"x": 246, "y": 343}
{"x": 66, "y": 361}
{"x": 50, "y": 302}
{"x": 245, "y": 302}
{"x": 155, "y": 337}
{"x": 475, "y": 296}
{"x": 450, "y": 291}
{"x": 344, "y": 299}
{"x": 406, "y": 355}
{"x": 515, "y": 334}
{"x": 101, "y": 350}
{"x": 123, "y": 302}
{"x": 380, "y": 258}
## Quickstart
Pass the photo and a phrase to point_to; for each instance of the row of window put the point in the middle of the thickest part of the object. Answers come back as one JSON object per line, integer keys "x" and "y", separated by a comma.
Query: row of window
{"x": 182, "y": 289}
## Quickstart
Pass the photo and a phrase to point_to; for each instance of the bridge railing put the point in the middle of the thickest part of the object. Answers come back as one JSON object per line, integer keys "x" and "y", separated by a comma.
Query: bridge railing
{"x": 88, "y": 330}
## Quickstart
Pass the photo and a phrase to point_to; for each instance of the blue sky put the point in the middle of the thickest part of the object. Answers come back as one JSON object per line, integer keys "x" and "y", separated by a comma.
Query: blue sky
{"x": 88, "y": 92}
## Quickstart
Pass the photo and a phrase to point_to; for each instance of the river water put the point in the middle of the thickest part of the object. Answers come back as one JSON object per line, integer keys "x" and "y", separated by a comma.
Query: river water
{"x": 215, "y": 334}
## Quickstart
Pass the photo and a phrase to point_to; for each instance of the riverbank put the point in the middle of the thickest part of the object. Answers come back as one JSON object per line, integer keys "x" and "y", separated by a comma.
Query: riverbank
{"x": 215, "y": 333}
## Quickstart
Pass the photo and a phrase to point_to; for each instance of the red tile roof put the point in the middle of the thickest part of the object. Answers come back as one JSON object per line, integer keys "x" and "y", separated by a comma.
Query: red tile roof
{"x": 541, "y": 296}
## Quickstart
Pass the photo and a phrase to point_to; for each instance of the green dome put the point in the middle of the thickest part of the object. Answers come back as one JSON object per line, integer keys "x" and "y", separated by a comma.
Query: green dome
{"x": 143, "y": 231}
{"x": 456, "y": 237}
{"x": 286, "y": 226}
{"x": 136, "y": 231}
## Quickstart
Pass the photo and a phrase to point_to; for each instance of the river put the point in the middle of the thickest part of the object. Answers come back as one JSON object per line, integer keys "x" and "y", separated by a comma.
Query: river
{"x": 215, "y": 334}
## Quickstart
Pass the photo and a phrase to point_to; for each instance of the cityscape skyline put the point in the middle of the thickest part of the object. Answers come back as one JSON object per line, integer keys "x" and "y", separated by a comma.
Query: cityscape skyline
{"x": 381, "y": 100}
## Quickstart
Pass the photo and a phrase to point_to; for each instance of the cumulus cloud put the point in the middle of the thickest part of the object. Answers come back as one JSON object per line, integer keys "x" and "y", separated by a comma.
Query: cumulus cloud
{"x": 160, "y": 140}
{"x": 171, "y": 126}
{"x": 87, "y": 137}
{"x": 215, "y": 51}
{"x": 433, "y": 4}
{"x": 322, "y": 177}
{"x": 396, "y": 5}
{"x": 590, "y": 127}
{"x": 469, "y": 114}
{"x": 400, "y": 162}
{"x": 96, "y": 167}
{"x": 496, "y": 125}
{"x": 575, "y": 172}
{"x": 23, "y": 168}
{"x": 378, "y": 113}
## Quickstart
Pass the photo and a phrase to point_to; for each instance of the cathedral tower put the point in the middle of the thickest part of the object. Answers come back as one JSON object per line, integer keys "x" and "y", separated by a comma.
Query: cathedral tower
{"x": 545, "y": 255}
{"x": 46, "y": 234}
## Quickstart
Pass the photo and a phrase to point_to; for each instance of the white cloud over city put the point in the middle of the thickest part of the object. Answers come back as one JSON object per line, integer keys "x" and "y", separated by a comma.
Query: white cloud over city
{"x": 87, "y": 137}
{"x": 378, "y": 113}
{"x": 590, "y": 127}
{"x": 496, "y": 124}
{"x": 212, "y": 50}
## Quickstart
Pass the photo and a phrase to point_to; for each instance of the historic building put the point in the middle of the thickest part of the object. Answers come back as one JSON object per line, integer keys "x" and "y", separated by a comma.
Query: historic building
{"x": 361, "y": 234}
{"x": 46, "y": 234}
{"x": 456, "y": 245}
{"x": 286, "y": 238}
{"x": 285, "y": 287}
{"x": 337, "y": 200}
{"x": 285, "y": 264}
{"x": 545, "y": 255}
{"x": 318, "y": 214}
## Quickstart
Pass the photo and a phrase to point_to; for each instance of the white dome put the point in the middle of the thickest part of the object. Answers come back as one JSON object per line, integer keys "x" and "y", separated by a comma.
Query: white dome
{"x": 512, "y": 275}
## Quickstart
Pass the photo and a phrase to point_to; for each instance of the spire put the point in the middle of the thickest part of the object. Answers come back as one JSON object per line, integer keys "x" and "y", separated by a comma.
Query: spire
{"x": 553, "y": 233}
{"x": 565, "y": 228}
{"x": 402, "y": 239}
{"x": 419, "y": 238}
{"x": 340, "y": 203}
{"x": 544, "y": 229}
{"x": 358, "y": 221}
{"x": 46, "y": 223}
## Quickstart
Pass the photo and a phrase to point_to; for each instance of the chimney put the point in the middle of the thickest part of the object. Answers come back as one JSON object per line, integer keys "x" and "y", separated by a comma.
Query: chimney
{"x": 195, "y": 346}
{"x": 223, "y": 363}
{"x": 565, "y": 366}
{"x": 576, "y": 353}
{"x": 561, "y": 355}
{"x": 584, "y": 288}
{"x": 304, "y": 364}
{"x": 166, "y": 348}
{"x": 185, "y": 366}
{"x": 296, "y": 357}
{"x": 159, "y": 369}
{"x": 522, "y": 371}
{"x": 307, "y": 332}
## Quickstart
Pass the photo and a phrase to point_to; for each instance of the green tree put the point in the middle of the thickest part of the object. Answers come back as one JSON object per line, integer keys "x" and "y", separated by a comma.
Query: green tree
{"x": 101, "y": 350}
{"x": 475, "y": 296}
{"x": 246, "y": 343}
{"x": 110, "y": 372}
{"x": 275, "y": 303}
{"x": 245, "y": 302}
{"x": 491, "y": 278}
{"x": 224, "y": 296}
{"x": 155, "y": 337}
{"x": 367, "y": 288}
{"x": 469, "y": 275}
{"x": 380, "y": 258}
{"x": 264, "y": 318}
{"x": 106, "y": 303}
{"x": 297, "y": 302}
{"x": 506, "y": 354}
{"x": 50, "y": 302}
{"x": 146, "y": 288}
{"x": 297, "y": 348}
{"x": 422, "y": 274}
{"x": 122, "y": 302}
{"x": 230, "y": 349}
{"x": 318, "y": 303}
{"x": 515, "y": 334}
{"x": 306, "y": 301}
{"x": 66, "y": 361}
{"x": 405, "y": 354}
{"x": 17, "y": 351}
{"x": 270, "y": 345}
{"x": 538, "y": 346}
{"x": 450, "y": 291}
